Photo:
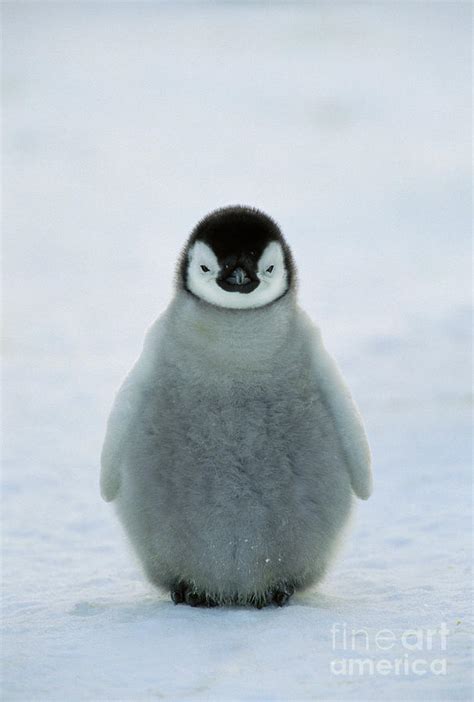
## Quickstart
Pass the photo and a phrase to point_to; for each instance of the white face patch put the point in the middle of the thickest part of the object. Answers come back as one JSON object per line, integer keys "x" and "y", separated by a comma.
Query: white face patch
{"x": 203, "y": 271}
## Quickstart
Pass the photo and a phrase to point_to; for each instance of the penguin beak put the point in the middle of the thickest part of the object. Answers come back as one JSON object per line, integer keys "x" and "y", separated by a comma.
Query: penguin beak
{"x": 239, "y": 280}
{"x": 238, "y": 277}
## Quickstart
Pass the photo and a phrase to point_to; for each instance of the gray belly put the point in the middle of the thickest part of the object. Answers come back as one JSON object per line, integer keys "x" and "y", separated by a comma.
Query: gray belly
{"x": 235, "y": 486}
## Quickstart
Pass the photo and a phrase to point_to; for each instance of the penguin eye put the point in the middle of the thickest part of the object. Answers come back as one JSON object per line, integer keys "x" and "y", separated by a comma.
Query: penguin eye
{"x": 270, "y": 269}
{"x": 205, "y": 269}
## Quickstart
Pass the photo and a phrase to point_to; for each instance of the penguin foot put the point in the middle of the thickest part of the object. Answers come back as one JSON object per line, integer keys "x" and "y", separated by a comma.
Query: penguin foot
{"x": 183, "y": 593}
{"x": 280, "y": 596}
{"x": 276, "y": 596}
{"x": 178, "y": 592}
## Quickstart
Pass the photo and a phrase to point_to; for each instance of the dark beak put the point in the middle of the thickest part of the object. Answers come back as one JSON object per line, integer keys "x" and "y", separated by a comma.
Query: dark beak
{"x": 238, "y": 277}
{"x": 239, "y": 280}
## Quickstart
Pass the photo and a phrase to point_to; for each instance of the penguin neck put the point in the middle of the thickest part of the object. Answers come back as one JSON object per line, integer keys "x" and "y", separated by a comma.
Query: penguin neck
{"x": 243, "y": 338}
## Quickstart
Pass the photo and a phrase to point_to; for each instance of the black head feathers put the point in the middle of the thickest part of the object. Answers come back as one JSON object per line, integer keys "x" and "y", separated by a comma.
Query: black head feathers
{"x": 235, "y": 231}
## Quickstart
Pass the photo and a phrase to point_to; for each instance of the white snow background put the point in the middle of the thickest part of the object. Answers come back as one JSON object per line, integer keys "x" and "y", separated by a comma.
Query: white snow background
{"x": 124, "y": 123}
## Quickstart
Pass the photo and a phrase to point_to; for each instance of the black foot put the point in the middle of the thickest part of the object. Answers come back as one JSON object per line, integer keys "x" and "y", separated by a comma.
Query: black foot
{"x": 277, "y": 595}
{"x": 182, "y": 592}
{"x": 280, "y": 596}
{"x": 178, "y": 593}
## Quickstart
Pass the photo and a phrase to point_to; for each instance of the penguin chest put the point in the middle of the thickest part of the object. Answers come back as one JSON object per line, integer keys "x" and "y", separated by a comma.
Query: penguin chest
{"x": 232, "y": 443}
{"x": 231, "y": 472}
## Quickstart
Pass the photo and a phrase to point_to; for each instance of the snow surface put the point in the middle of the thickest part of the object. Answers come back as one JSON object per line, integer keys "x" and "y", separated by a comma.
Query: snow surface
{"x": 124, "y": 123}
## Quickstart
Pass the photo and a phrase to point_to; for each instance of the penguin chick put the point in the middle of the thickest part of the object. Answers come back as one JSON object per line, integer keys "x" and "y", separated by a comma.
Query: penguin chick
{"x": 234, "y": 449}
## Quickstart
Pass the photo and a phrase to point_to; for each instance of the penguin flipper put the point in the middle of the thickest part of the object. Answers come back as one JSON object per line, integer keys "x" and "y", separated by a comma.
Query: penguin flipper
{"x": 347, "y": 420}
{"x": 118, "y": 432}
{"x": 109, "y": 482}
{"x": 120, "y": 426}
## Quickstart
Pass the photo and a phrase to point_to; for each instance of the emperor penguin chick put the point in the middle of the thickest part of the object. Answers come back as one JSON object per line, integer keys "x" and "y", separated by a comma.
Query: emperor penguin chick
{"x": 234, "y": 449}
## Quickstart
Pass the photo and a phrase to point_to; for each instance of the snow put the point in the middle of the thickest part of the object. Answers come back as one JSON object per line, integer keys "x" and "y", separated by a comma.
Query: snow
{"x": 124, "y": 123}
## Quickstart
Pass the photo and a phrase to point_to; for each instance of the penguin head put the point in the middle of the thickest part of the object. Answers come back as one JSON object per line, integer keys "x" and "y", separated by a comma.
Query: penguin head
{"x": 236, "y": 257}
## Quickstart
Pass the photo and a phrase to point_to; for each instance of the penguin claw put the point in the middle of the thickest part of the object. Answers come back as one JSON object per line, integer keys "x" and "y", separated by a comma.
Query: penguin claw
{"x": 199, "y": 599}
{"x": 184, "y": 593}
{"x": 178, "y": 593}
{"x": 281, "y": 596}
{"x": 195, "y": 599}
{"x": 278, "y": 596}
